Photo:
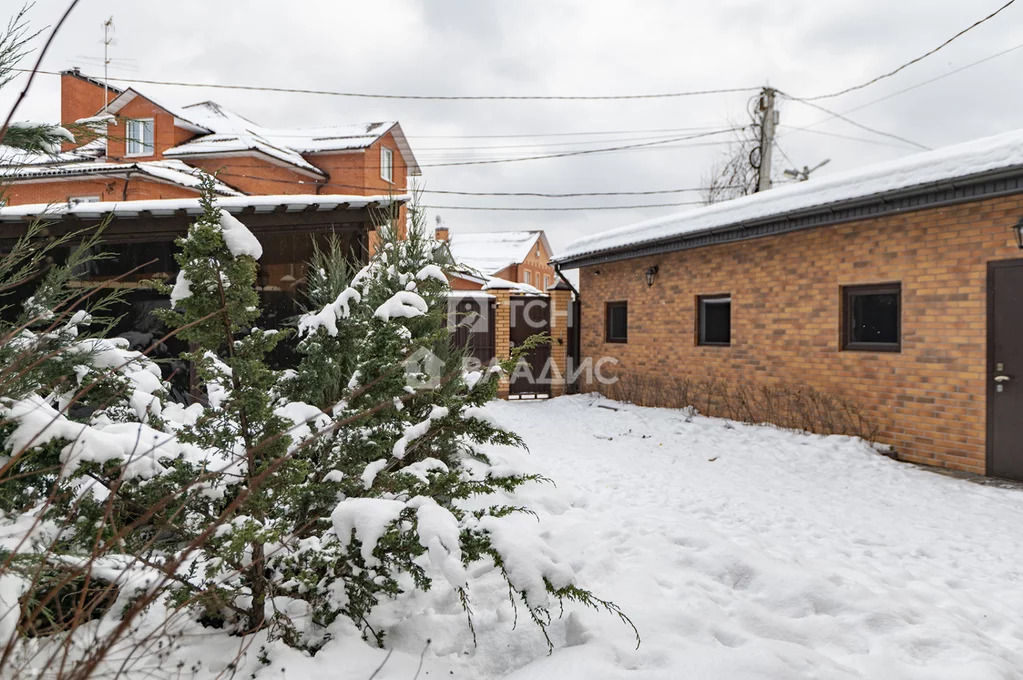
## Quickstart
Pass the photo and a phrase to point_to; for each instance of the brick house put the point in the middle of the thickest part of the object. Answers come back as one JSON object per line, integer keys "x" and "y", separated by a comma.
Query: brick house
{"x": 145, "y": 150}
{"x": 893, "y": 292}
{"x": 498, "y": 257}
{"x": 138, "y": 171}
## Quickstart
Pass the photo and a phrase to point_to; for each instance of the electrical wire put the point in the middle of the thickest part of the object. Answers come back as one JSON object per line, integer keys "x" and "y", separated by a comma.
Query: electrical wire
{"x": 560, "y": 209}
{"x": 925, "y": 82}
{"x": 911, "y": 61}
{"x": 841, "y": 136}
{"x": 530, "y": 194}
{"x": 583, "y": 152}
{"x": 568, "y": 134}
{"x": 835, "y": 114}
{"x": 364, "y": 95}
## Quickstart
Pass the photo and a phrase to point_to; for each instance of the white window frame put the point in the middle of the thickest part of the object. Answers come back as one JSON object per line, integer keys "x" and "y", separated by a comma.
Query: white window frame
{"x": 387, "y": 164}
{"x": 546, "y": 282}
{"x": 129, "y": 140}
{"x": 526, "y": 276}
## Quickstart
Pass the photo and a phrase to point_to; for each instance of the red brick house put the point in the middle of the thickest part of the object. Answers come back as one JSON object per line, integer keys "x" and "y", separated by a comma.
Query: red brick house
{"x": 140, "y": 172}
{"x": 146, "y": 150}
{"x": 897, "y": 289}
{"x": 500, "y": 257}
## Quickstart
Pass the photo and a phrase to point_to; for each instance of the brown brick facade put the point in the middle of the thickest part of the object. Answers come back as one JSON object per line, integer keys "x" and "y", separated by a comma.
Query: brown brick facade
{"x": 928, "y": 400}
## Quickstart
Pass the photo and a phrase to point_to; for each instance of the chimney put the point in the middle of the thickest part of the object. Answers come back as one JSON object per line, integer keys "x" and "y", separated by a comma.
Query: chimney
{"x": 440, "y": 233}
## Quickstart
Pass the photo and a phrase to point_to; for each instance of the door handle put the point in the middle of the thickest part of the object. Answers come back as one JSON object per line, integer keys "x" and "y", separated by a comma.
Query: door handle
{"x": 1002, "y": 378}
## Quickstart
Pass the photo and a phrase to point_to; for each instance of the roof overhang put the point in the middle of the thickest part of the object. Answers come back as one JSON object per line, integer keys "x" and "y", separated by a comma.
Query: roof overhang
{"x": 241, "y": 153}
{"x": 965, "y": 189}
{"x": 170, "y": 207}
{"x": 406, "y": 151}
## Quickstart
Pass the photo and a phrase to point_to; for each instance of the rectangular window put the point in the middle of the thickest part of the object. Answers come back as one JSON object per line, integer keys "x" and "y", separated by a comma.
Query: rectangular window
{"x": 616, "y": 327}
{"x": 526, "y": 277}
{"x": 872, "y": 317}
{"x": 546, "y": 282}
{"x": 386, "y": 164}
{"x": 140, "y": 137}
{"x": 714, "y": 320}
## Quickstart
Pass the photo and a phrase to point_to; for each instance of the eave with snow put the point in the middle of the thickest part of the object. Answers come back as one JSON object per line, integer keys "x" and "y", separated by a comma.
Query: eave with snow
{"x": 985, "y": 168}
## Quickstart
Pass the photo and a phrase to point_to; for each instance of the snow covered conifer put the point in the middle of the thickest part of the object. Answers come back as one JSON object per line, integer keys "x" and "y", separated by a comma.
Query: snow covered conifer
{"x": 215, "y": 306}
{"x": 418, "y": 500}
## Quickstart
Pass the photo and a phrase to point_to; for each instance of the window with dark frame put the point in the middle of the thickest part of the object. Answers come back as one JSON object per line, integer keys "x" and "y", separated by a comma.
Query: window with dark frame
{"x": 714, "y": 324}
{"x": 872, "y": 317}
{"x": 616, "y": 327}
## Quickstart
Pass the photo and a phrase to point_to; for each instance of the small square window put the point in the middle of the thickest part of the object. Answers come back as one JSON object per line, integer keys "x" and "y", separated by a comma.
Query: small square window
{"x": 714, "y": 320}
{"x": 616, "y": 322}
{"x": 139, "y": 137}
{"x": 386, "y": 164}
{"x": 872, "y": 317}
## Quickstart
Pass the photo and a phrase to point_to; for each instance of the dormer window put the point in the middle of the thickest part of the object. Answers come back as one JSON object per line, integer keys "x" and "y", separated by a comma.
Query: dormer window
{"x": 139, "y": 137}
{"x": 386, "y": 164}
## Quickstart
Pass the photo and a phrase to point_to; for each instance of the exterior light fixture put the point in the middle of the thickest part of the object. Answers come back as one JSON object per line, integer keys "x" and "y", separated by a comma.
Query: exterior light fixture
{"x": 652, "y": 272}
{"x": 1018, "y": 231}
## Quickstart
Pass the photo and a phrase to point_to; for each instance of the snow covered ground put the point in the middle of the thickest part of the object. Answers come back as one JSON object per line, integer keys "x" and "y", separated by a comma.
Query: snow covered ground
{"x": 740, "y": 552}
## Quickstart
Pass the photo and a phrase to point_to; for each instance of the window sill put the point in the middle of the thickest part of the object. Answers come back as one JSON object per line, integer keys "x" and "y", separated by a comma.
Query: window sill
{"x": 713, "y": 344}
{"x": 869, "y": 347}
{"x": 609, "y": 341}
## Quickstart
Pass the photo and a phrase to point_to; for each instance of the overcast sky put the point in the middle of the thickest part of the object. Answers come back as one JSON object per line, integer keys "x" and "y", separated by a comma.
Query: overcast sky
{"x": 562, "y": 47}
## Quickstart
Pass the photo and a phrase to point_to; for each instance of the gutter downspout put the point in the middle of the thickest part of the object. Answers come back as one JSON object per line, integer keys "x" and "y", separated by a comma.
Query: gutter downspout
{"x": 576, "y": 348}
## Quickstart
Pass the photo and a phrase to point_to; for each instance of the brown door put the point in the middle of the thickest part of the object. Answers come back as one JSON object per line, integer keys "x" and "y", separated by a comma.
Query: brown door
{"x": 471, "y": 321}
{"x": 1005, "y": 369}
{"x": 528, "y": 316}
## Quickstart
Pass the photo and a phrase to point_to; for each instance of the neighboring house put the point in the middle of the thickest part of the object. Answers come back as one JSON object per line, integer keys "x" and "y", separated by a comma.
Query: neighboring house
{"x": 146, "y": 150}
{"x": 897, "y": 288}
{"x": 140, "y": 172}
{"x": 511, "y": 256}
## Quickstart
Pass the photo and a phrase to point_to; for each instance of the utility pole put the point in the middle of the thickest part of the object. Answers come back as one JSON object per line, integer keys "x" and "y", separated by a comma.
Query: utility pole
{"x": 768, "y": 121}
{"x": 108, "y": 39}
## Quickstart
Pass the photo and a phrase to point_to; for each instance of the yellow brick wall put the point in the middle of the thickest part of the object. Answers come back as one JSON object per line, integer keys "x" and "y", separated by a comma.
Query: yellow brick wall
{"x": 928, "y": 400}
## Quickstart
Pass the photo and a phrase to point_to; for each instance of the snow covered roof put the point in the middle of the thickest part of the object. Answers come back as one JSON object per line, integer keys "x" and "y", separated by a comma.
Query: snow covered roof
{"x": 489, "y": 253}
{"x": 170, "y": 170}
{"x": 180, "y": 119}
{"x": 497, "y": 283}
{"x": 979, "y": 160}
{"x": 167, "y": 207}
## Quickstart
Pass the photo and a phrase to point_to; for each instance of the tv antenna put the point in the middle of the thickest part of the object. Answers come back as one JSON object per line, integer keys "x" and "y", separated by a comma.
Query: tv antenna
{"x": 108, "y": 40}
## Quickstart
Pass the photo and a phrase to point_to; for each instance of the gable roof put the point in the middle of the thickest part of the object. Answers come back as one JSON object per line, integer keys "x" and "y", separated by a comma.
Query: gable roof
{"x": 129, "y": 95}
{"x": 984, "y": 167}
{"x": 490, "y": 252}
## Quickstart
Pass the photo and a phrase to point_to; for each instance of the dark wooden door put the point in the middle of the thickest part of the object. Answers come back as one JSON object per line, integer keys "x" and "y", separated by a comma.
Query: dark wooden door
{"x": 471, "y": 321}
{"x": 1005, "y": 369}
{"x": 527, "y": 317}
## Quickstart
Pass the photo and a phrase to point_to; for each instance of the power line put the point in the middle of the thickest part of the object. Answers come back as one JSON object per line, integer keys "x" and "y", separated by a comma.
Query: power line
{"x": 558, "y": 209}
{"x": 841, "y": 136}
{"x": 583, "y": 152}
{"x": 470, "y": 193}
{"x": 931, "y": 80}
{"x": 567, "y": 134}
{"x": 911, "y": 61}
{"x": 364, "y": 95}
{"x": 854, "y": 123}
